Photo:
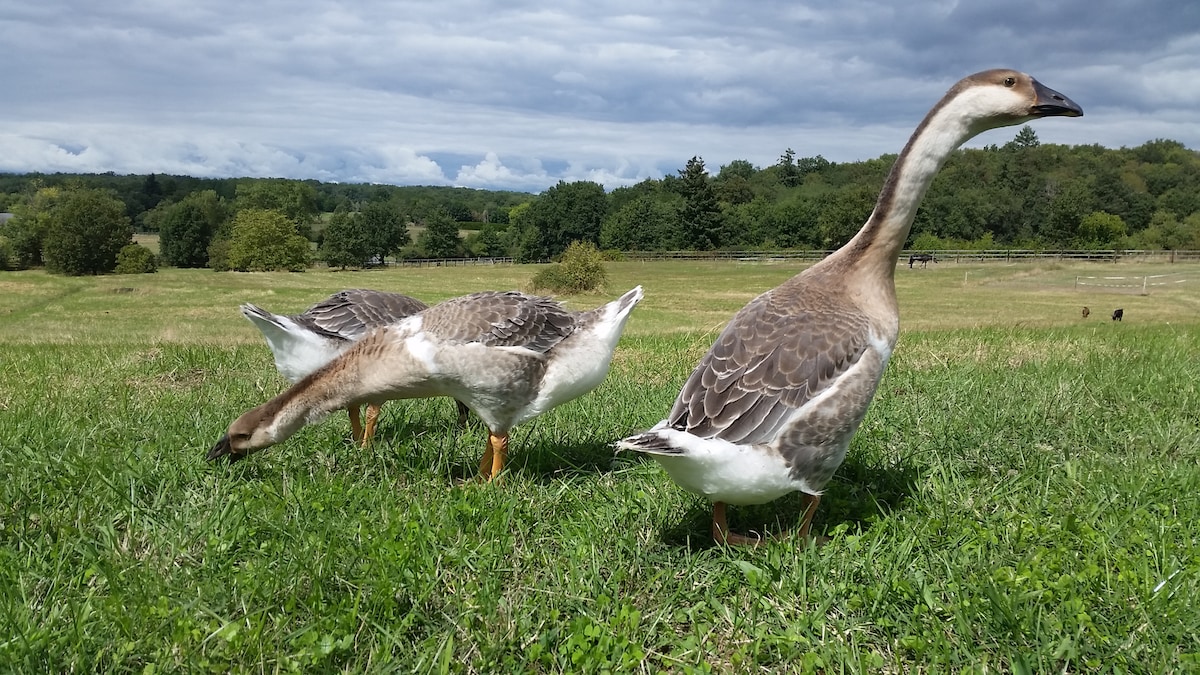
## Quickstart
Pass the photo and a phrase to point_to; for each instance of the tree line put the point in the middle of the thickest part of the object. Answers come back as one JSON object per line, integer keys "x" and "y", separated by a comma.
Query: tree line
{"x": 1022, "y": 194}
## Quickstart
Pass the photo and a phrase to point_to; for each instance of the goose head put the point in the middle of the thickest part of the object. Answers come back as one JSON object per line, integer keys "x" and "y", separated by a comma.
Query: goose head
{"x": 257, "y": 429}
{"x": 1002, "y": 97}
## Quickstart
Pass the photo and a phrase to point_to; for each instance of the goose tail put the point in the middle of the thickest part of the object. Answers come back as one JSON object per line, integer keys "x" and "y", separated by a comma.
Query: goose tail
{"x": 662, "y": 440}
{"x": 261, "y": 317}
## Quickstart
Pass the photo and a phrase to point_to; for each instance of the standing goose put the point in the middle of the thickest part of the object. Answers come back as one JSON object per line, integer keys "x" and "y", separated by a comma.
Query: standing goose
{"x": 302, "y": 343}
{"x": 771, "y": 408}
{"x": 508, "y": 356}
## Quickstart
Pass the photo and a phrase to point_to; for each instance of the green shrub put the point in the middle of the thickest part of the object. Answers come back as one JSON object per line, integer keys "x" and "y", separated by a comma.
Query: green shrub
{"x": 218, "y": 255}
{"x": 7, "y": 253}
{"x": 265, "y": 241}
{"x": 581, "y": 271}
{"x": 136, "y": 259}
{"x": 86, "y": 229}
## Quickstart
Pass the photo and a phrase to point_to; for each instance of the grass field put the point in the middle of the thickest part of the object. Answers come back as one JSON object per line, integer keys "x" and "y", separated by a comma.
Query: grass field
{"x": 1023, "y": 496}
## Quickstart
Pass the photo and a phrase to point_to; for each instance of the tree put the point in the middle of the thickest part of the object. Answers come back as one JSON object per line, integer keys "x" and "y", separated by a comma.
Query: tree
{"x": 294, "y": 199}
{"x": 567, "y": 212}
{"x": 700, "y": 217}
{"x": 384, "y": 228}
{"x": 186, "y": 228}
{"x": 488, "y": 243}
{"x": 6, "y": 253}
{"x": 26, "y": 230}
{"x": 266, "y": 240}
{"x": 1100, "y": 230}
{"x": 1072, "y": 201}
{"x": 843, "y": 213}
{"x": 136, "y": 259}
{"x": 581, "y": 271}
{"x": 345, "y": 243}
{"x": 645, "y": 224}
{"x": 440, "y": 238}
{"x": 789, "y": 174}
{"x": 86, "y": 230}
{"x": 1026, "y": 138}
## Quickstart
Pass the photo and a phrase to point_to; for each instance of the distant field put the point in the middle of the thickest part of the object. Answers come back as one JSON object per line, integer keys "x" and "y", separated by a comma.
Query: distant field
{"x": 1021, "y": 498}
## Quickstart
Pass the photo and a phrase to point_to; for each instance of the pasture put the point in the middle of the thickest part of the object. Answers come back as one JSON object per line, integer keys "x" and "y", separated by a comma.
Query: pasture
{"x": 1022, "y": 497}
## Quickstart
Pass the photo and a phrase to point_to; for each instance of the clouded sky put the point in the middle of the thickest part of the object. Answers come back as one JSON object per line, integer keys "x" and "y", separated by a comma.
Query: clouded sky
{"x": 519, "y": 95}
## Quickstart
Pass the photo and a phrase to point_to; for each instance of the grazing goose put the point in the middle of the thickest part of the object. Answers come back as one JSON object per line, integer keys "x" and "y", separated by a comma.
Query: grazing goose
{"x": 509, "y": 356}
{"x": 771, "y": 408}
{"x": 302, "y": 343}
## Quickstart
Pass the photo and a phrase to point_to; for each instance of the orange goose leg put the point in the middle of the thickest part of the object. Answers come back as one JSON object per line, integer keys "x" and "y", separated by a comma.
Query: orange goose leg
{"x": 485, "y": 463}
{"x": 810, "y": 508}
{"x": 721, "y": 533}
{"x": 356, "y": 429}
{"x": 492, "y": 462}
{"x": 372, "y": 420}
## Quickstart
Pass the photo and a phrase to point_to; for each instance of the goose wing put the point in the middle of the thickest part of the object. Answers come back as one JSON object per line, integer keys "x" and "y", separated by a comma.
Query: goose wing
{"x": 500, "y": 319}
{"x": 779, "y": 352}
{"x": 348, "y": 314}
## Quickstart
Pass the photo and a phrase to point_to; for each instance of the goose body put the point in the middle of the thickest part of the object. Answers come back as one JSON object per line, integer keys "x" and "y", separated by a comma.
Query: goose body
{"x": 508, "y": 356}
{"x": 303, "y": 343}
{"x": 773, "y": 405}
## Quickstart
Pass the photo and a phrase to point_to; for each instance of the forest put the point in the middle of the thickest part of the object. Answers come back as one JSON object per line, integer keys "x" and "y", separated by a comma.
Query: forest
{"x": 1021, "y": 194}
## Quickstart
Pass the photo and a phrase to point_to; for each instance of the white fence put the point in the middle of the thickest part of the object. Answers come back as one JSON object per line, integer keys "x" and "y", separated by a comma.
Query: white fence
{"x": 1131, "y": 284}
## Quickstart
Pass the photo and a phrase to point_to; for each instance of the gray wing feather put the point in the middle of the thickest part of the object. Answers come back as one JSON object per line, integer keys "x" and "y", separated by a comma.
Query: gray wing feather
{"x": 781, "y": 350}
{"x": 348, "y": 314}
{"x": 501, "y": 319}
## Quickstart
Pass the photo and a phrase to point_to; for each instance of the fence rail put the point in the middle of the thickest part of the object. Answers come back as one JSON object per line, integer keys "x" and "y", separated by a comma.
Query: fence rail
{"x": 946, "y": 255}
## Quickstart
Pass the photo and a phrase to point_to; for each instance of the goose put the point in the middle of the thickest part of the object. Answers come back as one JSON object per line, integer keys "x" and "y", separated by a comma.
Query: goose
{"x": 302, "y": 343}
{"x": 508, "y": 356}
{"x": 772, "y": 406}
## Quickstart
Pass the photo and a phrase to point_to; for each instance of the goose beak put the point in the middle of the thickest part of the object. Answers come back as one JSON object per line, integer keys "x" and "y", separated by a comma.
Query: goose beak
{"x": 1050, "y": 103}
{"x": 223, "y": 449}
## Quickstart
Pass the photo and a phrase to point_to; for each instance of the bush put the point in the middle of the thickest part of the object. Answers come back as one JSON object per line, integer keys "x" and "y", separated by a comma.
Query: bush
{"x": 136, "y": 259}
{"x": 6, "y": 253}
{"x": 218, "y": 255}
{"x": 581, "y": 271}
{"x": 265, "y": 241}
{"x": 86, "y": 230}
{"x": 187, "y": 228}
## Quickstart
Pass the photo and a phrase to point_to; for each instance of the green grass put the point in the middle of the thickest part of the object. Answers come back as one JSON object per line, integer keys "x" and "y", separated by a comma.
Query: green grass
{"x": 1022, "y": 497}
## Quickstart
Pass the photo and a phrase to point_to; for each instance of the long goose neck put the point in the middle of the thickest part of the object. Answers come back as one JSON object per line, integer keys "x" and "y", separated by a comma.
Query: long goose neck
{"x": 332, "y": 387}
{"x": 881, "y": 239}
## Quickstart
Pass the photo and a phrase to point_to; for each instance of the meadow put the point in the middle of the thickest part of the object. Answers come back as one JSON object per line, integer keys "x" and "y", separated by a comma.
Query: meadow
{"x": 1022, "y": 497}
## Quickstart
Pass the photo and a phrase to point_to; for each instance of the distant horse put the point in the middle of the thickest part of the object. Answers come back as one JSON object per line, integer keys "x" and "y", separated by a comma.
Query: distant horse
{"x": 923, "y": 258}
{"x": 1118, "y": 314}
{"x": 1086, "y": 312}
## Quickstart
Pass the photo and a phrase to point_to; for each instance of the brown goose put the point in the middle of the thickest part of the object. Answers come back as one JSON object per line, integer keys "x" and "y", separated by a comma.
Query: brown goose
{"x": 508, "y": 356}
{"x": 302, "y": 343}
{"x": 772, "y": 407}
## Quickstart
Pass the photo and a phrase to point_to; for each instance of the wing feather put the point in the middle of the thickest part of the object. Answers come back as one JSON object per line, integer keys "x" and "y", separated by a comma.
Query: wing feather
{"x": 349, "y": 314}
{"x": 779, "y": 352}
{"x": 500, "y": 319}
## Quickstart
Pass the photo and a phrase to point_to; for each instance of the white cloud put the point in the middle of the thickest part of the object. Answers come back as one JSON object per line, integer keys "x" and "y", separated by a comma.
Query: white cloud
{"x": 521, "y": 95}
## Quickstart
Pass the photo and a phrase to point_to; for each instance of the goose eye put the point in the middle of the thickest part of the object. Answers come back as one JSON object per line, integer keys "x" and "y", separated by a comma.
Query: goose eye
{"x": 1010, "y": 81}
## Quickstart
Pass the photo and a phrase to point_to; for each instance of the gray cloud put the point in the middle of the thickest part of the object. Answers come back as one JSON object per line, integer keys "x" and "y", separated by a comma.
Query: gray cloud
{"x": 519, "y": 95}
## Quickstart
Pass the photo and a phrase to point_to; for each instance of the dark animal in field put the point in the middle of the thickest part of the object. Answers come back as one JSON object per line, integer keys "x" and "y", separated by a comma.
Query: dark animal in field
{"x": 1086, "y": 312}
{"x": 1118, "y": 314}
{"x": 923, "y": 258}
